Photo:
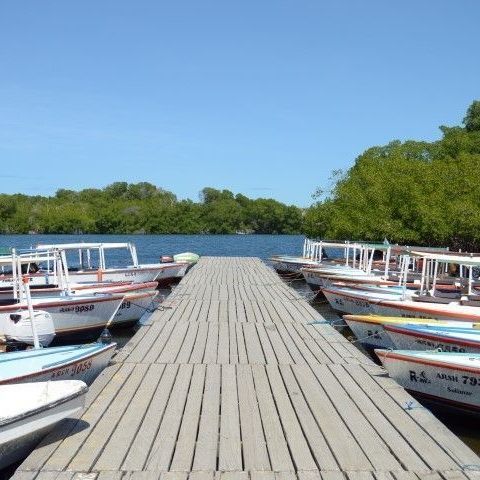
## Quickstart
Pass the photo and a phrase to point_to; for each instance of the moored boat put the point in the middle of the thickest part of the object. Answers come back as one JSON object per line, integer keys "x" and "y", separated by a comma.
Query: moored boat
{"x": 83, "y": 315}
{"x": 349, "y": 300}
{"x": 431, "y": 337}
{"x": 91, "y": 253}
{"x": 74, "y": 317}
{"x": 445, "y": 377}
{"x": 29, "y": 411}
{"x": 74, "y": 362}
{"x": 370, "y": 330}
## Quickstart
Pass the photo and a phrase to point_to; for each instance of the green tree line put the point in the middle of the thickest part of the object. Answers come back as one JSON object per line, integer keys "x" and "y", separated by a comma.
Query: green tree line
{"x": 145, "y": 208}
{"x": 410, "y": 192}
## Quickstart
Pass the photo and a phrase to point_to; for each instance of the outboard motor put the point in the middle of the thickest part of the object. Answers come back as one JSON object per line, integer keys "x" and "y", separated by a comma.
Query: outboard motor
{"x": 17, "y": 327}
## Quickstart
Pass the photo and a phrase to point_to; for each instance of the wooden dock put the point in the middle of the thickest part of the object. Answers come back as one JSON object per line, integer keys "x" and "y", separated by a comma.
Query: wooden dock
{"x": 231, "y": 381}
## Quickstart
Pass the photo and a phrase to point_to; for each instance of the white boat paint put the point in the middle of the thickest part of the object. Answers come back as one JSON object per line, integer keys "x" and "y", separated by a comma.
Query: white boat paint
{"x": 413, "y": 337}
{"x": 74, "y": 315}
{"x": 451, "y": 378}
{"x": 354, "y": 301}
{"x": 29, "y": 411}
{"x": 370, "y": 335}
{"x": 72, "y": 362}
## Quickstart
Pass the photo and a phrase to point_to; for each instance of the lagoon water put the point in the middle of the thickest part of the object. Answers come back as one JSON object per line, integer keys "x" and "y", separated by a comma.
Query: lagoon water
{"x": 151, "y": 247}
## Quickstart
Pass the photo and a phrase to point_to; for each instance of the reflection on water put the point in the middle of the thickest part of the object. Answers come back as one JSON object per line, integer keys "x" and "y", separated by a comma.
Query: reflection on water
{"x": 463, "y": 425}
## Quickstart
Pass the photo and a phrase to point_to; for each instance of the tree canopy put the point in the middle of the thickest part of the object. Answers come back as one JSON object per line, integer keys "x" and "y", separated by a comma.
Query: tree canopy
{"x": 144, "y": 208}
{"x": 410, "y": 192}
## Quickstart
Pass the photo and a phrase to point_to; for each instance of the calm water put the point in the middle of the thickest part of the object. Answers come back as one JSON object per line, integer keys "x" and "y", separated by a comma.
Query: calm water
{"x": 151, "y": 247}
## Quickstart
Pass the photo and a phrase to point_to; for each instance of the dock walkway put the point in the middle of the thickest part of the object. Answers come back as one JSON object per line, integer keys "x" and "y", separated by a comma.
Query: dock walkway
{"x": 231, "y": 381}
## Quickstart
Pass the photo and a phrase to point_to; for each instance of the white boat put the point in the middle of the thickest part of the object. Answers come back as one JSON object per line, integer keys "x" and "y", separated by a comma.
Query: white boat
{"x": 313, "y": 255}
{"x": 453, "y": 310}
{"x": 348, "y": 300}
{"x": 376, "y": 265}
{"x": 445, "y": 377}
{"x": 371, "y": 330}
{"x": 137, "y": 299}
{"x": 84, "y": 315}
{"x": 133, "y": 307}
{"x": 29, "y": 411}
{"x": 434, "y": 337}
{"x": 74, "y": 362}
{"x": 95, "y": 253}
{"x": 286, "y": 264}
{"x": 368, "y": 302}
{"x": 39, "y": 291}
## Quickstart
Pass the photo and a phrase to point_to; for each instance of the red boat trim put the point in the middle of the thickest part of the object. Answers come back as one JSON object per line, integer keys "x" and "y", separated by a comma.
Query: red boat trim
{"x": 360, "y": 320}
{"x": 132, "y": 287}
{"x": 346, "y": 295}
{"x": 37, "y": 306}
{"x": 139, "y": 296}
{"x": 399, "y": 306}
{"x": 33, "y": 375}
{"x": 404, "y": 331}
{"x": 443, "y": 313}
{"x": 422, "y": 361}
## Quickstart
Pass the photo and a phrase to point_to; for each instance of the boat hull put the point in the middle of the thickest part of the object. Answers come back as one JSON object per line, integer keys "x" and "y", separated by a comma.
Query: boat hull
{"x": 133, "y": 307}
{"x": 19, "y": 437}
{"x": 83, "y": 363}
{"x": 347, "y": 304}
{"x": 442, "y": 382}
{"x": 368, "y": 334}
{"x": 74, "y": 317}
{"x": 410, "y": 339}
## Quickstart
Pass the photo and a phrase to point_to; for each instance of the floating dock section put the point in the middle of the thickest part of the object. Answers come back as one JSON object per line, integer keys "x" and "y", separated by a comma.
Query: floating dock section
{"x": 233, "y": 381}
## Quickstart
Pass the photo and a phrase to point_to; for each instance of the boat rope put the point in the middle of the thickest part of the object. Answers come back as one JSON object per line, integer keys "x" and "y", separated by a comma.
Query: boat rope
{"x": 364, "y": 338}
{"x": 333, "y": 323}
{"x": 411, "y": 405}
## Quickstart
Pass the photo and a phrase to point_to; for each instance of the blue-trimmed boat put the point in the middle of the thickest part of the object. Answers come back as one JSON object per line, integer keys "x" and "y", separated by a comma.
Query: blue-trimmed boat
{"x": 75, "y": 362}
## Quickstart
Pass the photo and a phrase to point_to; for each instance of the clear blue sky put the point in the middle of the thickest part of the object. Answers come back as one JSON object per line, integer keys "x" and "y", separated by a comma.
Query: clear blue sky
{"x": 260, "y": 97}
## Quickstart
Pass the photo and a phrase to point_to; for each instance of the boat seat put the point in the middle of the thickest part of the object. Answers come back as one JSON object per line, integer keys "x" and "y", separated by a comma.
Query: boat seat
{"x": 430, "y": 299}
{"x": 471, "y": 303}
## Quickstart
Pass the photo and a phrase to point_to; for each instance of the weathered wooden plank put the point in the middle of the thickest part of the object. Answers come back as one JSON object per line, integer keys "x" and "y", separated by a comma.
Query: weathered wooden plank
{"x": 399, "y": 445}
{"x": 188, "y": 345}
{"x": 253, "y": 440}
{"x": 277, "y": 445}
{"x": 163, "y": 447}
{"x": 77, "y": 436}
{"x": 230, "y": 454}
{"x": 170, "y": 352}
{"x": 101, "y": 431}
{"x": 223, "y": 343}
{"x": 143, "y": 440}
{"x": 252, "y": 343}
{"x": 211, "y": 347}
{"x": 299, "y": 448}
{"x": 207, "y": 442}
{"x": 377, "y": 451}
{"x": 118, "y": 445}
{"x": 314, "y": 436}
{"x": 187, "y": 437}
{"x": 343, "y": 444}
{"x": 421, "y": 440}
